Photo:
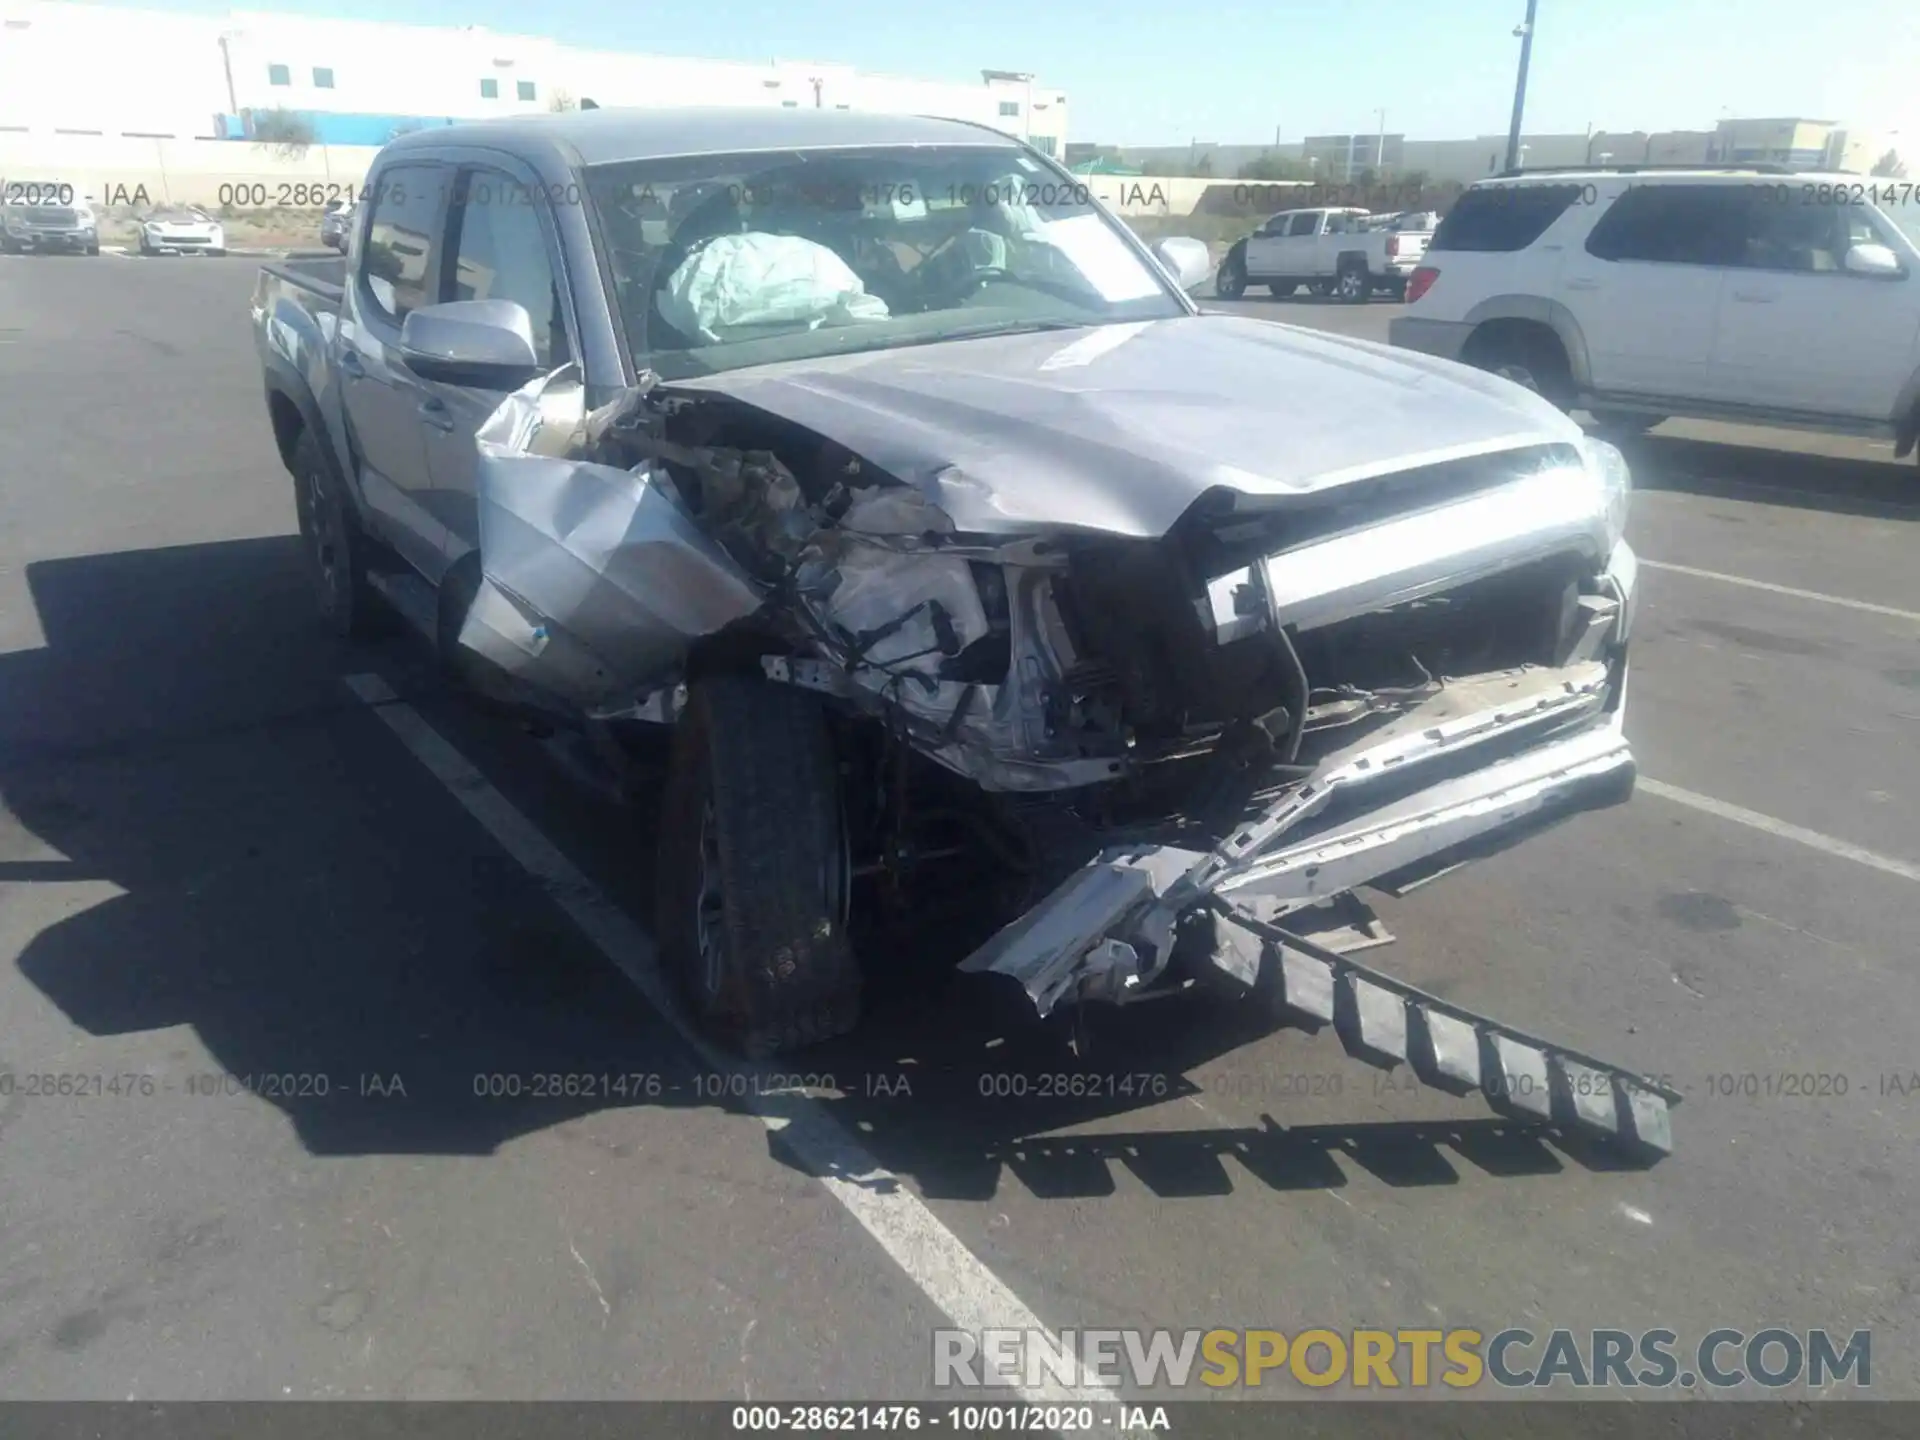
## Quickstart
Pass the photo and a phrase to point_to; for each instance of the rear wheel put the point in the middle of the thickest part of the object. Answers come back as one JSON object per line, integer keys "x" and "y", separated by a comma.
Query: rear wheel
{"x": 1352, "y": 284}
{"x": 337, "y": 549}
{"x": 753, "y": 871}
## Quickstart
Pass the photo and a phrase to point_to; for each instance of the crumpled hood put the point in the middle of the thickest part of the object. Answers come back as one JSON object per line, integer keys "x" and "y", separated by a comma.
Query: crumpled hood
{"x": 1120, "y": 428}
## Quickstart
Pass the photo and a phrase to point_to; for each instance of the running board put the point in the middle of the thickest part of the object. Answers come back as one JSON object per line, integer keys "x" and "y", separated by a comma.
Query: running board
{"x": 1387, "y": 1022}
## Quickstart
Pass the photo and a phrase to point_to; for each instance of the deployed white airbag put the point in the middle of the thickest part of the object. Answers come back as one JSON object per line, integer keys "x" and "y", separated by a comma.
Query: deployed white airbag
{"x": 754, "y": 282}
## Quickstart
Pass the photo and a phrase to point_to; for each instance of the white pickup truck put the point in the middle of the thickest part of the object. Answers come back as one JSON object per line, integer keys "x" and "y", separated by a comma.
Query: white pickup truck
{"x": 1335, "y": 251}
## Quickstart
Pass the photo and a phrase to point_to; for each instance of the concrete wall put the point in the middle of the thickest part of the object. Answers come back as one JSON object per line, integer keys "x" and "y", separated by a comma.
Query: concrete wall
{"x": 112, "y": 170}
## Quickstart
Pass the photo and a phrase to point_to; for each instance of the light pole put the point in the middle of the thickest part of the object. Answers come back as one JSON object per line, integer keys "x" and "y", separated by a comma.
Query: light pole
{"x": 1525, "y": 32}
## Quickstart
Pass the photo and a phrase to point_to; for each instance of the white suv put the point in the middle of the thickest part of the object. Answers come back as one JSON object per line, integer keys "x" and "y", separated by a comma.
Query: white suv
{"x": 1736, "y": 295}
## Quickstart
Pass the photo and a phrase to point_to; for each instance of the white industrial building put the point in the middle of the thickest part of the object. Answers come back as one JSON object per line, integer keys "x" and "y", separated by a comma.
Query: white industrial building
{"x": 75, "y": 69}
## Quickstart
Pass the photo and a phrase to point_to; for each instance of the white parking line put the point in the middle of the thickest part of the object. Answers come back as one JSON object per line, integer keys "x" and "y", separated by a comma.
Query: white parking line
{"x": 1813, "y": 839}
{"x": 1867, "y": 606}
{"x": 949, "y": 1274}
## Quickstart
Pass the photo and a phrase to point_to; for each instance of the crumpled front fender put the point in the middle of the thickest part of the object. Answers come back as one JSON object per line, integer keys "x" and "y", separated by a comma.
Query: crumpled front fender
{"x": 595, "y": 580}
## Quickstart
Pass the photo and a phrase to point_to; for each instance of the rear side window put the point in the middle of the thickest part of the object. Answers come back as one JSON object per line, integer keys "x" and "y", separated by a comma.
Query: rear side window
{"x": 1503, "y": 217}
{"x": 1307, "y": 222}
{"x": 399, "y": 246}
{"x": 1675, "y": 225}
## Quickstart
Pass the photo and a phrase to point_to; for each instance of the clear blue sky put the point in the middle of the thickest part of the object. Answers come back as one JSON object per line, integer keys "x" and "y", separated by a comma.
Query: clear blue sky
{"x": 1151, "y": 72}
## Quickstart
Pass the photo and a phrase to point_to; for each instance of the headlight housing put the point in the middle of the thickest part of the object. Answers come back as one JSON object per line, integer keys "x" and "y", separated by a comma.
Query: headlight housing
{"x": 1609, "y": 470}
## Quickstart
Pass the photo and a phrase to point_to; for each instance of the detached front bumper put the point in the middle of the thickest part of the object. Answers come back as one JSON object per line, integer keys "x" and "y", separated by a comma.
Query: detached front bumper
{"x": 1494, "y": 752}
{"x": 1481, "y": 762}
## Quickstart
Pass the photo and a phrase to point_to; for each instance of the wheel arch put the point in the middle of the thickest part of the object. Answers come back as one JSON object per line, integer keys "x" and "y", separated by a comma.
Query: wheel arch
{"x": 1538, "y": 310}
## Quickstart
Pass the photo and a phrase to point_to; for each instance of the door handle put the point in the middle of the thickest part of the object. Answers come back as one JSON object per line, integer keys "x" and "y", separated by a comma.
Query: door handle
{"x": 350, "y": 365}
{"x": 434, "y": 412}
{"x": 1756, "y": 297}
{"x": 1582, "y": 282}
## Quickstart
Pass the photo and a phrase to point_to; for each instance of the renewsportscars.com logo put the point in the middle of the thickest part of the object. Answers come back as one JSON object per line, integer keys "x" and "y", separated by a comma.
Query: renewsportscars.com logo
{"x": 1772, "y": 1358}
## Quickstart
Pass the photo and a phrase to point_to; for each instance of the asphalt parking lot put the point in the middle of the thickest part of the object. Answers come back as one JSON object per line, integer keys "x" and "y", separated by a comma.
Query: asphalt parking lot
{"x": 215, "y": 858}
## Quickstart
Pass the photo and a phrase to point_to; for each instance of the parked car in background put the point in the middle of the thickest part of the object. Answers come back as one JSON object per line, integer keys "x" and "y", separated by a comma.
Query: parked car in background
{"x": 181, "y": 230}
{"x": 1338, "y": 251}
{"x": 1731, "y": 294}
{"x": 47, "y": 215}
{"x": 336, "y": 223}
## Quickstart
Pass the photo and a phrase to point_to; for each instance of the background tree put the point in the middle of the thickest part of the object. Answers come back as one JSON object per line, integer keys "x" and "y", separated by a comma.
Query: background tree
{"x": 1274, "y": 167}
{"x": 288, "y": 132}
{"x": 1890, "y": 167}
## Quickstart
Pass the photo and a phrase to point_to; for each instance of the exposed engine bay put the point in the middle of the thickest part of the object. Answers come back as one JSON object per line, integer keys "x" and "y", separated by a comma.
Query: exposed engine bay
{"x": 1203, "y": 731}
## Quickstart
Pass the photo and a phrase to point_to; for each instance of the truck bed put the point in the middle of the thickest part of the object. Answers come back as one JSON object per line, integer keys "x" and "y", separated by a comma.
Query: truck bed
{"x": 325, "y": 276}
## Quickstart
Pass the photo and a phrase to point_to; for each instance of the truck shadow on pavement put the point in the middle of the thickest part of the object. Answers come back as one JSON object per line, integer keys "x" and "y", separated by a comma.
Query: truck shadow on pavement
{"x": 1842, "y": 485}
{"x": 204, "y": 829}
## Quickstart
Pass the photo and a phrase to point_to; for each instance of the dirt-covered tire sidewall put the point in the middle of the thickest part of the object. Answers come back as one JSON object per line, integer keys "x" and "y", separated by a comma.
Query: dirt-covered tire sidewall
{"x": 760, "y": 755}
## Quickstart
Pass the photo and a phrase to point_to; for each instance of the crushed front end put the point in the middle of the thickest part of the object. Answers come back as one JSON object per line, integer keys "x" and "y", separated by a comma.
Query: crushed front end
{"x": 1182, "y": 742}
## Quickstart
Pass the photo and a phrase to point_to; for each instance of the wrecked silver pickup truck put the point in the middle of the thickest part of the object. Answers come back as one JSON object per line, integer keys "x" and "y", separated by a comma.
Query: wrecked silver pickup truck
{"x": 963, "y": 555}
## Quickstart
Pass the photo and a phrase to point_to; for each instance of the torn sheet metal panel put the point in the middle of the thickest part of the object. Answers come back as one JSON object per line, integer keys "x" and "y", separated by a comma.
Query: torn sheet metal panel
{"x": 1044, "y": 949}
{"x": 1449, "y": 812}
{"x": 595, "y": 579}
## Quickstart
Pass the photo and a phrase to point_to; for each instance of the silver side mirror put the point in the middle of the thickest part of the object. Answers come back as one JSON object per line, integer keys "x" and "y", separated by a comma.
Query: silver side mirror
{"x": 1872, "y": 260}
{"x": 1186, "y": 259}
{"x": 479, "y": 344}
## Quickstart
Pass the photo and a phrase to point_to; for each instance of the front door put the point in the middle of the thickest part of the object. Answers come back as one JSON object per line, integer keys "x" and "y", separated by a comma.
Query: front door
{"x": 500, "y": 245}
{"x": 1265, "y": 244}
{"x": 1645, "y": 288}
{"x": 381, "y": 396}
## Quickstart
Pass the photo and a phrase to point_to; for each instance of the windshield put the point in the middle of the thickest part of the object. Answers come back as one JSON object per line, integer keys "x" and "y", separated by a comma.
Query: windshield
{"x": 179, "y": 214}
{"x": 1906, "y": 215}
{"x": 731, "y": 260}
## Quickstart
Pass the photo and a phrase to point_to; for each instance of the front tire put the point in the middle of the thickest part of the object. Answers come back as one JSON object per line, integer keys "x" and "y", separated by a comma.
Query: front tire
{"x": 753, "y": 869}
{"x": 1621, "y": 422}
{"x": 337, "y": 549}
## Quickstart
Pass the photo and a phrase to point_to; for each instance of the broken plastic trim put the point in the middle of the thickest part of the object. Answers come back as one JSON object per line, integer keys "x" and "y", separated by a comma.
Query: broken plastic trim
{"x": 1386, "y": 1022}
